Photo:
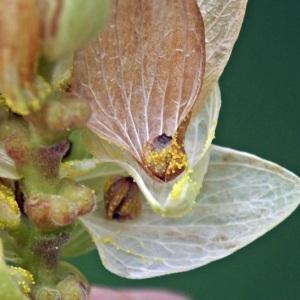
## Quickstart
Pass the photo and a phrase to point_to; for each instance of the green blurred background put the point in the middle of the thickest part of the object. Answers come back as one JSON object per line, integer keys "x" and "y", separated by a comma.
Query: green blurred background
{"x": 260, "y": 114}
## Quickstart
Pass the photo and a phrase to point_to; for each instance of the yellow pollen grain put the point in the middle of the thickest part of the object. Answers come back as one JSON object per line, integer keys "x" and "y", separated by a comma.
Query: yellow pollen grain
{"x": 2, "y": 100}
{"x": 158, "y": 259}
{"x": 7, "y": 198}
{"x": 35, "y": 104}
{"x": 68, "y": 169}
{"x": 26, "y": 280}
{"x": 20, "y": 108}
{"x": 29, "y": 97}
{"x": 108, "y": 184}
{"x": 178, "y": 186}
{"x": 107, "y": 240}
{"x": 171, "y": 155}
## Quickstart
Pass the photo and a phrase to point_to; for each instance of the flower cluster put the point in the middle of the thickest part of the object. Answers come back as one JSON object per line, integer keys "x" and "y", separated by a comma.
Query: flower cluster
{"x": 111, "y": 133}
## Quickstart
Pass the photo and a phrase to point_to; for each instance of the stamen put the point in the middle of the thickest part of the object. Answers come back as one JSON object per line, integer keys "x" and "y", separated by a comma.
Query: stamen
{"x": 164, "y": 157}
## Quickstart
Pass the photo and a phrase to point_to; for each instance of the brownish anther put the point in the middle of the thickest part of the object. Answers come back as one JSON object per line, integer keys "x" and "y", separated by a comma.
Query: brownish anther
{"x": 122, "y": 199}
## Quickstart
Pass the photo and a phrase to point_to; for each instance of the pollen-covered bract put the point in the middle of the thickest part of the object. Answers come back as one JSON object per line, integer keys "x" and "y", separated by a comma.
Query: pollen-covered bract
{"x": 142, "y": 76}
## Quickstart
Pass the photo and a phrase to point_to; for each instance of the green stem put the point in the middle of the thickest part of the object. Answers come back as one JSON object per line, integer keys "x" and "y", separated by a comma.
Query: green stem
{"x": 40, "y": 251}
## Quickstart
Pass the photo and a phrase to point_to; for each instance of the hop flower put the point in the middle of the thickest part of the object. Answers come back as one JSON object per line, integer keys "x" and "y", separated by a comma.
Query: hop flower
{"x": 153, "y": 107}
{"x": 144, "y": 78}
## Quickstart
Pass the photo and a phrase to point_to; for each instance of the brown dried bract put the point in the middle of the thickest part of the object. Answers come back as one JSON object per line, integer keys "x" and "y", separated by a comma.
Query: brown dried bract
{"x": 122, "y": 199}
{"x": 143, "y": 74}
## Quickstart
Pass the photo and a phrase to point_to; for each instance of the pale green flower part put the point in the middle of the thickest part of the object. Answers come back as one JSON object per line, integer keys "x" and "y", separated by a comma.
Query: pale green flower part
{"x": 242, "y": 198}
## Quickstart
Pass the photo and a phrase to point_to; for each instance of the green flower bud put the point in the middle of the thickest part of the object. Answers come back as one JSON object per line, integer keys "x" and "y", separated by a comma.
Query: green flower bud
{"x": 49, "y": 211}
{"x": 15, "y": 136}
{"x": 68, "y": 24}
{"x": 61, "y": 74}
{"x": 72, "y": 288}
{"x": 47, "y": 293}
{"x": 70, "y": 285}
{"x": 66, "y": 114}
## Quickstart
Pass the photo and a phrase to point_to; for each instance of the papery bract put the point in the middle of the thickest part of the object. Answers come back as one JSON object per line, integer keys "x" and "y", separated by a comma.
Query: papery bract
{"x": 178, "y": 196}
{"x": 221, "y": 31}
{"x": 242, "y": 196}
{"x": 222, "y": 22}
{"x": 143, "y": 74}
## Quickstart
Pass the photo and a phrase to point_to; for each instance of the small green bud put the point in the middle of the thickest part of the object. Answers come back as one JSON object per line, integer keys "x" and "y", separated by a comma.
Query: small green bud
{"x": 66, "y": 114}
{"x": 62, "y": 74}
{"x": 72, "y": 288}
{"x": 49, "y": 211}
{"x": 72, "y": 285}
{"x": 68, "y": 24}
{"x": 47, "y": 293}
{"x": 15, "y": 136}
